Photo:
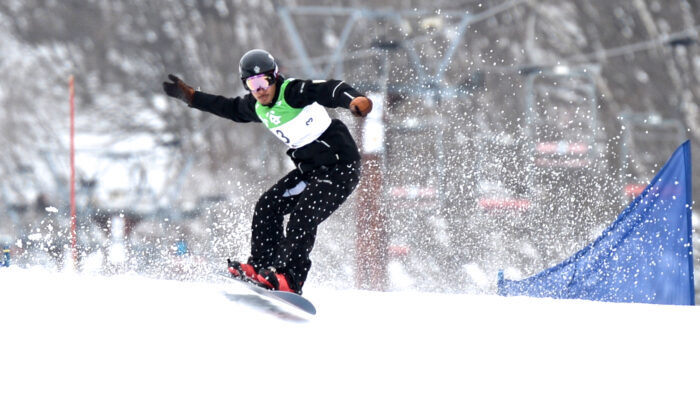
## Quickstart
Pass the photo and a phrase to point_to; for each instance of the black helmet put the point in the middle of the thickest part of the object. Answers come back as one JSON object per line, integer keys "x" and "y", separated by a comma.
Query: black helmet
{"x": 255, "y": 62}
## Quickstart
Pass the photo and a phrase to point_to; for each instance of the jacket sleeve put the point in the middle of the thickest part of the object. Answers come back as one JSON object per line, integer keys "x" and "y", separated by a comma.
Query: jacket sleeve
{"x": 238, "y": 109}
{"x": 329, "y": 93}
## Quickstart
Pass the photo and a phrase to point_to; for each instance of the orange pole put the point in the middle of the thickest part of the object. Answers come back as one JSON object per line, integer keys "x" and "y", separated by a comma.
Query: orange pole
{"x": 73, "y": 222}
{"x": 371, "y": 232}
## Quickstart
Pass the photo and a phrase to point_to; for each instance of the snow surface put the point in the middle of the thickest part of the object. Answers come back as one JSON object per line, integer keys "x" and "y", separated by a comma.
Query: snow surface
{"x": 86, "y": 333}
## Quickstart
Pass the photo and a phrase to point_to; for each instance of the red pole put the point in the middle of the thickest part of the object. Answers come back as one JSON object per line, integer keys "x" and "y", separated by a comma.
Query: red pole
{"x": 371, "y": 238}
{"x": 73, "y": 229}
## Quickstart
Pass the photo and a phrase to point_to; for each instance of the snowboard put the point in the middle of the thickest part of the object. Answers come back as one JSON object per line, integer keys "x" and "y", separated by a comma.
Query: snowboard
{"x": 289, "y": 298}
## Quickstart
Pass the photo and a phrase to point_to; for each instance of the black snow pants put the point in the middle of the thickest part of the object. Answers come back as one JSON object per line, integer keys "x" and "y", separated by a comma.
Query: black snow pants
{"x": 309, "y": 199}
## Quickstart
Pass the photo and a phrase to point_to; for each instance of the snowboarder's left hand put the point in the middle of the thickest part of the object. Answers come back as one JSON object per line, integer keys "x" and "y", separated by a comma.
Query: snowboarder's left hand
{"x": 178, "y": 89}
{"x": 360, "y": 106}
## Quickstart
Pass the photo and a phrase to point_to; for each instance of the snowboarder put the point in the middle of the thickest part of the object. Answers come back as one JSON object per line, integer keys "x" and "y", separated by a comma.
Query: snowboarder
{"x": 325, "y": 155}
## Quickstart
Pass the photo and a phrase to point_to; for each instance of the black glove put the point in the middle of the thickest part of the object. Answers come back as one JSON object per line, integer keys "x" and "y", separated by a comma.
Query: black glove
{"x": 178, "y": 89}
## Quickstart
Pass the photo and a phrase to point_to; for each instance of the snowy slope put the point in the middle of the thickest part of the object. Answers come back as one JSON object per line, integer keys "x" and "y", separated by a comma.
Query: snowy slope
{"x": 82, "y": 333}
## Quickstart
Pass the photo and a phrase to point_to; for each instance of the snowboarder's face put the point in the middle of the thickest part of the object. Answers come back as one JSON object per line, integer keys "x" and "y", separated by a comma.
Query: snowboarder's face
{"x": 262, "y": 87}
{"x": 265, "y": 96}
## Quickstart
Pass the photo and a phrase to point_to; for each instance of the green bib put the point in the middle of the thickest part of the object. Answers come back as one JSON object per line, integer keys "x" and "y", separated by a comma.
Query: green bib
{"x": 278, "y": 114}
{"x": 295, "y": 127}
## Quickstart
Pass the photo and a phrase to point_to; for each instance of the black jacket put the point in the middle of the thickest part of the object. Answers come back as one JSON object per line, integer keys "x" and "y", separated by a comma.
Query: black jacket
{"x": 333, "y": 146}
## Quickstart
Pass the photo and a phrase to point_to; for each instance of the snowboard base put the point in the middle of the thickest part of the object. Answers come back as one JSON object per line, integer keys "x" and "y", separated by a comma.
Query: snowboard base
{"x": 288, "y": 298}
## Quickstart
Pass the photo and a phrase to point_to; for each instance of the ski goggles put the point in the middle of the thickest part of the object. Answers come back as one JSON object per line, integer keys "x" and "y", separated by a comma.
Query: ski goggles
{"x": 258, "y": 82}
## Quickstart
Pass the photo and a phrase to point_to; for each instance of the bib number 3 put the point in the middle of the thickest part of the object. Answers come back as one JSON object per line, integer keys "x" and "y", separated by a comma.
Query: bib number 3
{"x": 281, "y": 135}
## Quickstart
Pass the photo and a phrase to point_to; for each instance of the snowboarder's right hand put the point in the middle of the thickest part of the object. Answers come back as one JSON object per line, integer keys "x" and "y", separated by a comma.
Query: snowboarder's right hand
{"x": 178, "y": 89}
